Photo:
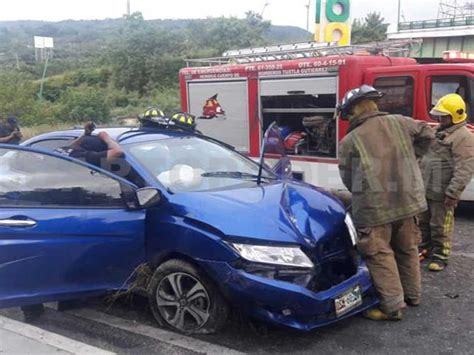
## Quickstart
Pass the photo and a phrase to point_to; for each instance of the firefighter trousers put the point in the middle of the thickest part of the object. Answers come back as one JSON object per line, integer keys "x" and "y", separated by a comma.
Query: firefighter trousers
{"x": 391, "y": 254}
{"x": 437, "y": 229}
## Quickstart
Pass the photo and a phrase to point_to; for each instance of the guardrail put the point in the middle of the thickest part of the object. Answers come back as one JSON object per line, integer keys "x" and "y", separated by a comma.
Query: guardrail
{"x": 440, "y": 23}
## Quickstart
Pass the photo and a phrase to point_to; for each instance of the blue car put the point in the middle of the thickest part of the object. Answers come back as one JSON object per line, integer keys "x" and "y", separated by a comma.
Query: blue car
{"x": 203, "y": 228}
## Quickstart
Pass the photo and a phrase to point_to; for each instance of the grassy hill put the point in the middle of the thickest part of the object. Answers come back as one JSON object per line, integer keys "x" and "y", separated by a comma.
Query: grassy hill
{"x": 115, "y": 67}
{"x": 88, "y": 38}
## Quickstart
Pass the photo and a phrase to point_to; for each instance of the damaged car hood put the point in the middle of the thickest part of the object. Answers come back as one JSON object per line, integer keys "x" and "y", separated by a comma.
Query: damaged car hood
{"x": 282, "y": 212}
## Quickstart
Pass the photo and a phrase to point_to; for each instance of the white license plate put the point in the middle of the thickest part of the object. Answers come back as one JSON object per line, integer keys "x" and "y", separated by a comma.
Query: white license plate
{"x": 348, "y": 301}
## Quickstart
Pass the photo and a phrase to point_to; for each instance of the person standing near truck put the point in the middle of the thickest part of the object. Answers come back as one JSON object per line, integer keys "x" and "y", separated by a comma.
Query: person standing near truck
{"x": 447, "y": 170}
{"x": 10, "y": 131}
{"x": 378, "y": 164}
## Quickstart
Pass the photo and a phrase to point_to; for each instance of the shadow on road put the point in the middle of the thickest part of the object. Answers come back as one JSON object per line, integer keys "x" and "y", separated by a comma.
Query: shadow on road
{"x": 465, "y": 210}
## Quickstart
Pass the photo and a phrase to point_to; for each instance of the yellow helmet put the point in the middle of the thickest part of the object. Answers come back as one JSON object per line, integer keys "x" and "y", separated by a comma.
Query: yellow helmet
{"x": 452, "y": 105}
{"x": 184, "y": 119}
{"x": 153, "y": 112}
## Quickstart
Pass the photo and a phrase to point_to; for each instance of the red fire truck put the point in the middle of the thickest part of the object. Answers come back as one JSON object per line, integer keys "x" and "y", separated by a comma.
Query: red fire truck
{"x": 239, "y": 95}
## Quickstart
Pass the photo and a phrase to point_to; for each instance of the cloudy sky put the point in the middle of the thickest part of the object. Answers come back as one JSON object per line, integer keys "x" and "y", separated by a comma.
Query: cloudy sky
{"x": 280, "y": 12}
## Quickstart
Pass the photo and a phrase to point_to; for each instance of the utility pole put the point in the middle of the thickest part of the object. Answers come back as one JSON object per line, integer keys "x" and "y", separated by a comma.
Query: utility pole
{"x": 399, "y": 14}
{"x": 264, "y": 8}
{"x": 307, "y": 14}
{"x": 40, "y": 94}
{"x": 128, "y": 7}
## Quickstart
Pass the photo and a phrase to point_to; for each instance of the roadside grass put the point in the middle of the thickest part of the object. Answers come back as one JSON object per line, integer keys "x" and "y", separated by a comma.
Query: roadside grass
{"x": 32, "y": 131}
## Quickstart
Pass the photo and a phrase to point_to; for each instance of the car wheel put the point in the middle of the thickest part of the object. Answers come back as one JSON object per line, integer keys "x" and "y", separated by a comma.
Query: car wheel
{"x": 184, "y": 299}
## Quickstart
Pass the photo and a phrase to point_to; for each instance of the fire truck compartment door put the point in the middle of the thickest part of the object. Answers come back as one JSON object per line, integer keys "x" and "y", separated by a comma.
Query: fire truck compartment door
{"x": 300, "y": 86}
{"x": 232, "y": 126}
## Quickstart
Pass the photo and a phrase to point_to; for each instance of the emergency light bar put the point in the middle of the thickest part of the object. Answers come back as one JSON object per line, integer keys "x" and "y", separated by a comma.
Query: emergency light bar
{"x": 458, "y": 57}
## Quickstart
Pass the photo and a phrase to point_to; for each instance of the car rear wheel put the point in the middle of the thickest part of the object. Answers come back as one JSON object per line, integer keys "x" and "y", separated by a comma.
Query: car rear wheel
{"x": 184, "y": 299}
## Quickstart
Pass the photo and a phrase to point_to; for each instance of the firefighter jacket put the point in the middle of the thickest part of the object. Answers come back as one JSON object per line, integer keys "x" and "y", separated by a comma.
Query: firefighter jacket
{"x": 378, "y": 165}
{"x": 448, "y": 167}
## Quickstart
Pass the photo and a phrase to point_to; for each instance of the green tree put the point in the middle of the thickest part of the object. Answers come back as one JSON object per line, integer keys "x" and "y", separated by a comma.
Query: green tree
{"x": 371, "y": 29}
{"x": 84, "y": 104}
{"x": 144, "y": 57}
{"x": 17, "y": 93}
{"x": 222, "y": 34}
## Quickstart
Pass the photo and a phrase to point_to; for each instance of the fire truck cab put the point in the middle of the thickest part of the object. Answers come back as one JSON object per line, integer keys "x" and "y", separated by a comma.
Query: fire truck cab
{"x": 299, "y": 87}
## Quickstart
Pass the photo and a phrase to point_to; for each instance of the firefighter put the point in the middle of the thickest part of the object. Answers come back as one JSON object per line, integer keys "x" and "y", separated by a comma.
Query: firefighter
{"x": 447, "y": 169}
{"x": 378, "y": 164}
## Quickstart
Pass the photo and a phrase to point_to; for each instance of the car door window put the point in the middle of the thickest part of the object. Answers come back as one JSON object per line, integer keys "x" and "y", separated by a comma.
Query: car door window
{"x": 52, "y": 144}
{"x": 451, "y": 84}
{"x": 398, "y": 94}
{"x": 29, "y": 179}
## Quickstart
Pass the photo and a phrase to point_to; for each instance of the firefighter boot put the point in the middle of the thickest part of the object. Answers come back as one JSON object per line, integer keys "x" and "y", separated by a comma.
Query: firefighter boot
{"x": 412, "y": 302}
{"x": 440, "y": 257}
{"x": 377, "y": 314}
{"x": 437, "y": 265}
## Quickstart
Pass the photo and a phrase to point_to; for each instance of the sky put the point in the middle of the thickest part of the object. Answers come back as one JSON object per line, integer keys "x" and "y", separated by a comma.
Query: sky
{"x": 280, "y": 12}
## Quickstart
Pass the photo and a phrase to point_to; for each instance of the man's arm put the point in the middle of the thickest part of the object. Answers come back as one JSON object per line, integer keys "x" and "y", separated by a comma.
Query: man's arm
{"x": 422, "y": 136}
{"x": 114, "y": 150}
{"x": 463, "y": 156}
{"x": 13, "y": 135}
{"x": 345, "y": 162}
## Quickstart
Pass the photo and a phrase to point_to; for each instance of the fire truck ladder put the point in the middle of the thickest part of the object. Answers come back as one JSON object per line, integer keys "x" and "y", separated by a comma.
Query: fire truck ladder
{"x": 306, "y": 50}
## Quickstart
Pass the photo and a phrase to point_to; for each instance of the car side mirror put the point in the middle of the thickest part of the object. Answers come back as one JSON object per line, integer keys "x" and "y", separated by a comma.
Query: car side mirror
{"x": 148, "y": 197}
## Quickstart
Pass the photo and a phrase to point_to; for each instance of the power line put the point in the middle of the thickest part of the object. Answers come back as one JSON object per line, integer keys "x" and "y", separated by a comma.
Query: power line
{"x": 455, "y": 9}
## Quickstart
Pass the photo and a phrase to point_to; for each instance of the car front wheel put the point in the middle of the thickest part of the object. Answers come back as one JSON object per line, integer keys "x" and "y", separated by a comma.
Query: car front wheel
{"x": 184, "y": 299}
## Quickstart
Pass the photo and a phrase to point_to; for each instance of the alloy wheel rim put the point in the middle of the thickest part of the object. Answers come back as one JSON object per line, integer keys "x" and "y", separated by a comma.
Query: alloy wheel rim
{"x": 183, "y": 301}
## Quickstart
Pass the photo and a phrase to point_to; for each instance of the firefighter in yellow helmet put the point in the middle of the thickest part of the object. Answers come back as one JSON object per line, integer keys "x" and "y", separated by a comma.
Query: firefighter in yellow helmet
{"x": 447, "y": 169}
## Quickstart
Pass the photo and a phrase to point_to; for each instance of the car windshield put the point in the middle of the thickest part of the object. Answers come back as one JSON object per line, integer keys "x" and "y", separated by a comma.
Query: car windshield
{"x": 189, "y": 164}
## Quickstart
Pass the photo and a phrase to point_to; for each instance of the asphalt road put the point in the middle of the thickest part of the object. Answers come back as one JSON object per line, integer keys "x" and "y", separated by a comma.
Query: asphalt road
{"x": 443, "y": 324}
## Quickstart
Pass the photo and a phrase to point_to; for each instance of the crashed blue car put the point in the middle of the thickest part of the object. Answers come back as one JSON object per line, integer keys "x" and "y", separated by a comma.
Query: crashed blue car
{"x": 215, "y": 230}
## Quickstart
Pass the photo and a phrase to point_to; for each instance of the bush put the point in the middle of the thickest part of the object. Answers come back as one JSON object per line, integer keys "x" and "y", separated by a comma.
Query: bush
{"x": 84, "y": 104}
{"x": 17, "y": 93}
{"x": 166, "y": 98}
{"x": 42, "y": 113}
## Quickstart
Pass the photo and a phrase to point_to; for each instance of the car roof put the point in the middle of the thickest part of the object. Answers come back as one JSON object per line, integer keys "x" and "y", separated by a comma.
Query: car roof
{"x": 124, "y": 135}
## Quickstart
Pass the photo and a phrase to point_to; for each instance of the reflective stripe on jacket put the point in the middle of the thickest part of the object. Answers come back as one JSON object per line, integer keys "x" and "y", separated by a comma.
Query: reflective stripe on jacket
{"x": 378, "y": 165}
{"x": 448, "y": 166}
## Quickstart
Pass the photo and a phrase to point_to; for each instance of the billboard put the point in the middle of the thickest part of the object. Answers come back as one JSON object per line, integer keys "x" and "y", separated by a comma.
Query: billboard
{"x": 43, "y": 42}
{"x": 333, "y": 21}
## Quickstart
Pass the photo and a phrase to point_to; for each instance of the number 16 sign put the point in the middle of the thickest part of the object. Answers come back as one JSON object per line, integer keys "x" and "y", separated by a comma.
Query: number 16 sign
{"x": 333, "y": 21}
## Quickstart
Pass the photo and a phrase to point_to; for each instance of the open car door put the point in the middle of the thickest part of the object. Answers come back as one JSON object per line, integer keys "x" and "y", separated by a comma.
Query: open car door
{"x": 65, "y": 229}
{"x": 273, "y": 153}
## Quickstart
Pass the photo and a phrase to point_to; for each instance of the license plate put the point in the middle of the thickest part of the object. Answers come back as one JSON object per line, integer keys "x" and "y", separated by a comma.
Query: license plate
{"x": 348, "y": 301}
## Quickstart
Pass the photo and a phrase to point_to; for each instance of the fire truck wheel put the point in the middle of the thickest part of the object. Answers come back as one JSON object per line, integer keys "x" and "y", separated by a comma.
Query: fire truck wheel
{"x": 184, "y": 299}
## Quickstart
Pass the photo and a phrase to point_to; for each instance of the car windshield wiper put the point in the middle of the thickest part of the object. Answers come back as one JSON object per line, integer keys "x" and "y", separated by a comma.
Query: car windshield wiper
{"x": 236, "y": 175}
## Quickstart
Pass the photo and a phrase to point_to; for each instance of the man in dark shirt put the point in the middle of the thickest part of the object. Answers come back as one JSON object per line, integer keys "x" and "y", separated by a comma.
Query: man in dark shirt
{"x": 10, "y": 131}
{"x": 98, "y": 150}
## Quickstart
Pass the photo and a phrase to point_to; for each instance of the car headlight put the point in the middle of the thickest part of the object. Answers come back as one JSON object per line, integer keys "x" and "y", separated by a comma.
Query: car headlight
{"x": 286, "y": 256}
{"x": 352, "y": 229}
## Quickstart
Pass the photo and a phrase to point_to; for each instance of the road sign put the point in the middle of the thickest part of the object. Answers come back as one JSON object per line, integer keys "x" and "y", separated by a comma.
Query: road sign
{"x": 43, "y": 42}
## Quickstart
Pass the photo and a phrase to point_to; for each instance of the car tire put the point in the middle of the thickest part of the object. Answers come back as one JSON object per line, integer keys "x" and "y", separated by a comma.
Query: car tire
{"x": 184, "y": 299}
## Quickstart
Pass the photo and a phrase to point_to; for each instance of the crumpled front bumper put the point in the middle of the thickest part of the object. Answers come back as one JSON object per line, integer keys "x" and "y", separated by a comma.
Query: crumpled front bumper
{"x": 284, "y": 303}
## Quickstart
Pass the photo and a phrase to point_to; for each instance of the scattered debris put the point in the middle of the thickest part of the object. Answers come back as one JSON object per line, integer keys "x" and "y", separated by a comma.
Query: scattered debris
{"x": 452, "y": 296}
